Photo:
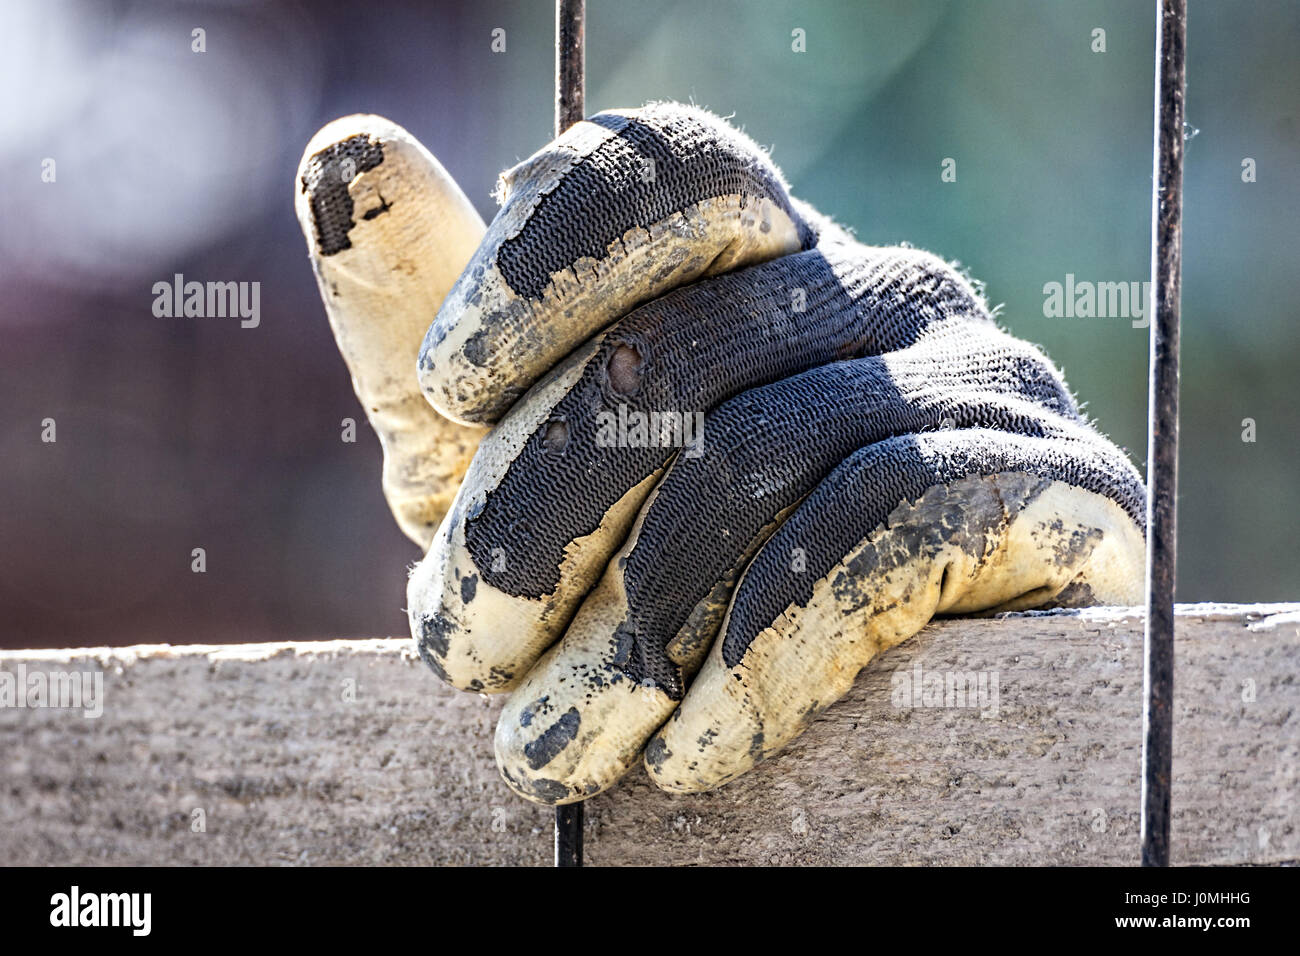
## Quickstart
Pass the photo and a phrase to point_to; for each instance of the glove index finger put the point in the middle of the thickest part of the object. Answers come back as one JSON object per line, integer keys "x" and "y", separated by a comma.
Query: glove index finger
{"x": 621, "y": 208}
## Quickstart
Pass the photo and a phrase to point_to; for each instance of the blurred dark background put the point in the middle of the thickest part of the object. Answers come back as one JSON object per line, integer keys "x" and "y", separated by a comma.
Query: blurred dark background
{"x": 177, "y": 433}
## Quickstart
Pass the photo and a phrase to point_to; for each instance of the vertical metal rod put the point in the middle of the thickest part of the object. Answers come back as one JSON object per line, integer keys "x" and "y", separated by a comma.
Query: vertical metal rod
{"x": 570, "y": 62}
{"x": 568, "y": 835}
{"x": 570, "y": 94}
{"x": 1162, "y": 435}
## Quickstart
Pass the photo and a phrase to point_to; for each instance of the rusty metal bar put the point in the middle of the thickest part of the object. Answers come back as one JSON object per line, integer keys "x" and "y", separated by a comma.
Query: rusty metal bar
{"x": 570, "y": 95}
{"x": 1162, "y": 435}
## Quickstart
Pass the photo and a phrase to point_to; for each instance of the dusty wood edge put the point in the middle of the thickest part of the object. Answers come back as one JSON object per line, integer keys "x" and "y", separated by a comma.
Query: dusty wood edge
{"x": 1256, "y": 616}
{"x": 351, "y": 752}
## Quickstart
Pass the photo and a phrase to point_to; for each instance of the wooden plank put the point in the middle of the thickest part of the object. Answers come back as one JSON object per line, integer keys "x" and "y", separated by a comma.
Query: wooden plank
{"x": 350, "y": 752}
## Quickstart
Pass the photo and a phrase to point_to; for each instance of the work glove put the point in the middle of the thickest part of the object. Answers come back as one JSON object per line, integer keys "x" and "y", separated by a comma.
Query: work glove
{"x": 733, "y": 453}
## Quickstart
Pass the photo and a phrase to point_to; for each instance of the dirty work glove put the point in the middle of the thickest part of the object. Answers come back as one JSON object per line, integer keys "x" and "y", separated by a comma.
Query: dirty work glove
{"x": 735, "y": 454}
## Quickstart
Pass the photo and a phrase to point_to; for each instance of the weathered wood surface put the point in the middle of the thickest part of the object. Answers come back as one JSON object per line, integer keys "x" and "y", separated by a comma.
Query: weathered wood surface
{"x": 266, "y": 741}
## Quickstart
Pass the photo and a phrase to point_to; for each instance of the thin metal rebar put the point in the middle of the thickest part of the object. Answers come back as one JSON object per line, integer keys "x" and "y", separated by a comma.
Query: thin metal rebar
{"x": 570, "y": 62}
{"x": 568, "y": 835}
{"x": 1162, "y": 435}
{"x": 570, "y": 94}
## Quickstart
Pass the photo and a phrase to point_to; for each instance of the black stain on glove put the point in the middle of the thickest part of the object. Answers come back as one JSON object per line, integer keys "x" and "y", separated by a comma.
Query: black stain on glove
{"x": 554, "y": 739}
{"x": 326, "y": 184}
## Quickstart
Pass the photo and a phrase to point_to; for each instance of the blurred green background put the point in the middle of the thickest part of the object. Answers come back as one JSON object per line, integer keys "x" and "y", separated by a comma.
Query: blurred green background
{"x": 174, "y": 434}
